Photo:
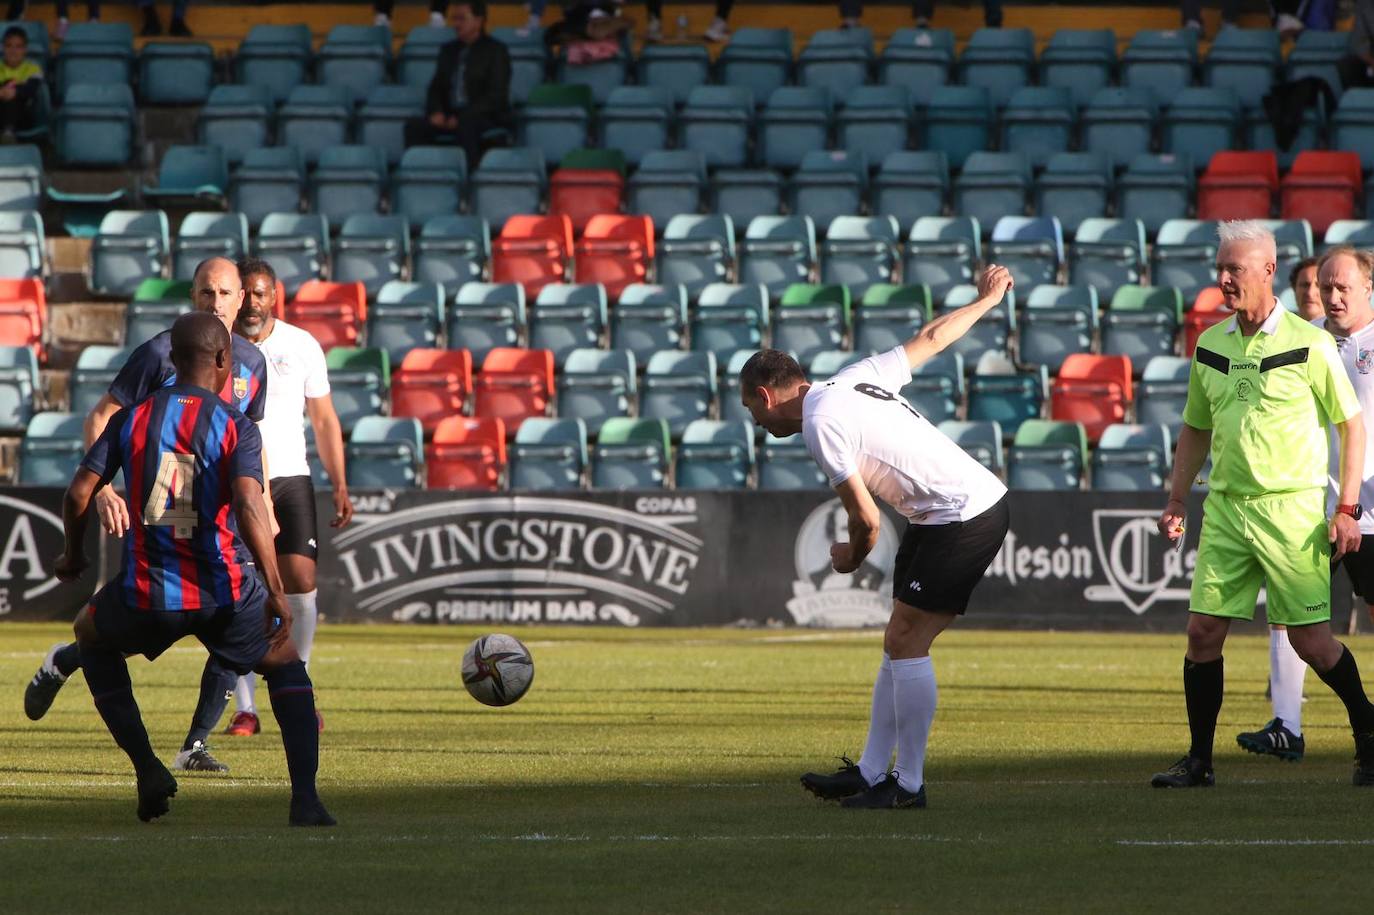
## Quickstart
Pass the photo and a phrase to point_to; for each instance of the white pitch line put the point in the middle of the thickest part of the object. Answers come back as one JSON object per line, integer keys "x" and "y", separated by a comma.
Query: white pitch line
{"x": 1247, "y": 843}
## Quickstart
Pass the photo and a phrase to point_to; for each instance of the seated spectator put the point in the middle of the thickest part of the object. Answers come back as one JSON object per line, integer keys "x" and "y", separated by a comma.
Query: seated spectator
{"x": 593, "y": 26}
{"x": 470, "y": 92}
{"x": 20, "y": 82}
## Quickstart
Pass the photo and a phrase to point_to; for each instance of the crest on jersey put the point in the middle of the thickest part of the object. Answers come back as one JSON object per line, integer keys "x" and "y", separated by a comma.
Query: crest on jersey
{"x": 240, "y": 388}
{"x": 1365, "y": 361}
{"x": 1243, "y": 389}
{"x": 823, "y": 597}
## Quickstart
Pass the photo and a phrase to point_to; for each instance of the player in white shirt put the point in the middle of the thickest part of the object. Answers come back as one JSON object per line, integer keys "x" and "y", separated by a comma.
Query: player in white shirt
{"x": 297, "y": 385}
{"x": 1345, "y": 281}
{"x": 871, "y": 442}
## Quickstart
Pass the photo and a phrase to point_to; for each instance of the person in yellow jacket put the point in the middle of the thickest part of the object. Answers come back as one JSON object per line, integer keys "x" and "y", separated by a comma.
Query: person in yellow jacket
{"x": 20, "y": 82}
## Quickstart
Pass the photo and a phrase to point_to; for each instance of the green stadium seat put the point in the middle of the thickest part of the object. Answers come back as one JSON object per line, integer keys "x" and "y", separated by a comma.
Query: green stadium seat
{"x": 631, "y": 454}
{"x": 1142, "y": 322}
{"x": 888, "y": 315}
{"x": 359, "y": 379}
{"x": 1048, "y": 455}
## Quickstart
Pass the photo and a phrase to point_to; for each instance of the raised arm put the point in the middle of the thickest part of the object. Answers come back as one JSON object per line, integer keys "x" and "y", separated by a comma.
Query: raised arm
{"x": 944, "y": 330}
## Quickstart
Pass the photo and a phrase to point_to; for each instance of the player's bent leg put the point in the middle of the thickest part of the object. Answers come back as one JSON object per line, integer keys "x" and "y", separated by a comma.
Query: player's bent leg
{"x": 293, "y": 703}
{"x": 61, "y": 661}
{"x": 298, "y": 574}
{"x": 1335, "y": 664}
{"x": 215, "y": 685}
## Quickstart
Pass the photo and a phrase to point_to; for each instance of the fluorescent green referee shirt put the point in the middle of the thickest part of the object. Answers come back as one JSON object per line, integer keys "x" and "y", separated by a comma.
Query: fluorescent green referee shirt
{"x": 1268, "y": 400}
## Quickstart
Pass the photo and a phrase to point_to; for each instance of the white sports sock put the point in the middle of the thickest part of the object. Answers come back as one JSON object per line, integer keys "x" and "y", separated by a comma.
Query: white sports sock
{"x": 303, "y": 613}
{"x": 914, "y": 692}
{"x": 882, "y": 727}
{"x": 243, "y": 693}
{"x": 1286, "y": 674}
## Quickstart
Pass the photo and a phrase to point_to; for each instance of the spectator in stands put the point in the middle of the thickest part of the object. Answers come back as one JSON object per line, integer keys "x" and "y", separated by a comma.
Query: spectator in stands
{"x": 153, "y": 25}
{"x": 17, "y": 8}
{"x": 20, "y": 82}
{"x": 470, "y": 92}
{"x": 383, "y": 9}
{"x": 1192, "y": 13}
{"x": 924, "y": 10}
{"x": 1357, "y": 67}
{"x": 718, "y": 30}
{"x": 1306, "y": 293}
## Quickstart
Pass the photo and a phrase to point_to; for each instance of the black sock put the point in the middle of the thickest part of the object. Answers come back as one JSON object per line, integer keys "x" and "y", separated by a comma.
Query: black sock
{"x": 1202, "y": 688}
{"x": 67, "y": 660}
{"x": 1344, "y": 680}
{"x": 216, "y": 685}
{"x": 107, "y": 677}
{"x": 293, "y": 704}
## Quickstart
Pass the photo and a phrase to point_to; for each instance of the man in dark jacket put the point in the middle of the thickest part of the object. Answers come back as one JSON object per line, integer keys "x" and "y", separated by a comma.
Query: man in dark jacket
{"x": 470, "y": 92}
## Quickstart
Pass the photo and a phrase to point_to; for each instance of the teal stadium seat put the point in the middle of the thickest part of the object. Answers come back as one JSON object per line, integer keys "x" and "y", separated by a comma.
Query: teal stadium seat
{"x": 1119, "y": 123}
{"x": 674, "y": 68}
{"x": 860, "y": 251}
{"x": 731, "y": 407}
{"x": 96, "y": 126}
{"x": 1201, "y": 122}
{"x": 829, "y": 363}
{"x": 130, "y": 246}
{"x": 981, "y": 440}
{"x": 1246, "y": 61}
{"x": 385, "y": 452}
{"x": 314, "y": 119}
{"x": 191, "y": 175}
{"x": 405, "y": 316}
{"x": 1108, "y": 254}
{"x": 1132, "y": 458}
{"x": 1184, "y": 256}
{"x": 1162, "y": 63}
{"x": 205, "y": 234}
{"x": 957, "y": 122}
{"x": 829, "y": 184}
{"x": 431, "y": 181}
{"x": 597, "y": 384}
{"x": 1357, "y": 233}
{"x": 696, "y": 251}
{"x": 237, "y": 120}
{"x": 269, "y": 178}
{"x": 941, "y": 252}
{"x": 910, "y": 185}
{"x": 296, "y": 245}
{"x": 999, "y": 60}
{"x": 1317, "y": 53}
{"x": 452, "y": 250}
{"x": 729, "y": 318}
{"x": 1038, "y": 122}
{"x": 1074, "y": 187}
{"x": 1008, "y": 399}
{"x": 1155, "y": 189}
{"x": 1162, "y": 392}
{"x": 937, "y": 389}
{"x": 566, "y": 317}
{"x": 993, "y": 185}
{"x": 637, "y": 120}
{"x": 1293, "y": 243}
{"x": 528, "y": 60}
{"x": 600, "y": 76}
{"x": 23, "y": 245}
{"x": 876, "y": 121}
{"x": 21, "y": 178}
{"x": 549, "y": 455}
{"x": 355, "y": 58}
{"x": 1048, "y": 455}
{"x": 715, "y": 454}
{"x": 668, "y": 182}
{"x": 18, "y": 386}
{"x": 419, "y": 55}
{"x": 1031, "y": 247}
{"x": 382, "y": 119}
{"x": 837, "y": 61}
{"x": 794, "y": 120}
{"x": 98, "y": 53}
{"x": 486, "y": 316}
{"x": 631, "y": 454}
{"x": 348, "y": 181}
{"x": 175, "y": 72}
{"x": 991, "y": 333}
{"x": 556, "y": 120}
{"x": 51, "y": 449}
{"x": 649, "y": 318}
{"x": 757, "y": 60}
{"x": 275, "y": 58}
{"x": 744, "y": 194}
{"x": 678, "y": 388}
{"x": 1055, "y": 323}
{"x": 785, "y": 464}
{"x": 717, "y": 122}
{"x": 918, "y": 60}
{"x": 1079, "y": 60}
{"x": 778, "y": 251}
{"x": 372, "y": 250}
{"x": 508, "y": 182}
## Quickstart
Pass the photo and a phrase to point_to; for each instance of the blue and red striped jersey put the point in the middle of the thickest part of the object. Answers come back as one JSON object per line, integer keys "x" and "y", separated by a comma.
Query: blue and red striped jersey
{"x": 150, "y": 367}
{"x": 180, "y": 450}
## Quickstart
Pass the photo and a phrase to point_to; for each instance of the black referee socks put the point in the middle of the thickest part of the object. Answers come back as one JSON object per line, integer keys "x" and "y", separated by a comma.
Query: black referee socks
{"x": 1344, "y": 680}
{"x": 1202, "y": 688}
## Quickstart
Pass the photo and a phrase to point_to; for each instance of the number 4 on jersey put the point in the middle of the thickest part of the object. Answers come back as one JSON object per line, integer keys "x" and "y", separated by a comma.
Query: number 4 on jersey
{"x": 170, "y": 502}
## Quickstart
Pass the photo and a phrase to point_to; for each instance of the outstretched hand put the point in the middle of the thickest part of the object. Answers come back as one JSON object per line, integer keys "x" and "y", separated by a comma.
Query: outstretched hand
{"x": 996, "y": 281}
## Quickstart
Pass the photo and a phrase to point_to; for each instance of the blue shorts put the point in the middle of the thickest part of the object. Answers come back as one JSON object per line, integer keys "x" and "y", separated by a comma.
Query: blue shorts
{"x": 236, "y": 636}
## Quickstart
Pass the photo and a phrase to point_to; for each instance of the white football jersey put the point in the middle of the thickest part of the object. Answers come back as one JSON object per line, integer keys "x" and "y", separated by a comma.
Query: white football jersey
{"x": 1357, "y": 355}
{"x": 295, "y": 370}
{"x": 857, "y": 422}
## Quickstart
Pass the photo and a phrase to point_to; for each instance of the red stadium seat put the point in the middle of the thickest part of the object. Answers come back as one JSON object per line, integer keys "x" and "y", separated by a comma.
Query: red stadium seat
{"x": 1207, "y": 310}
{"x": 616, "y": 251}
{"x": 467, "y": 453}
{"x": 1238, "y": 185}
{"x": 532, "y": 251}
{"x": 514, "y": 384}
{"x": 23, "y": 314}
{"x": 1322, "y": 187}
{"x": 581, "y": 193}
{"x": 1092, "y": 390}
{"x": 431, "y": 385}
{"x": 333, "y": 313}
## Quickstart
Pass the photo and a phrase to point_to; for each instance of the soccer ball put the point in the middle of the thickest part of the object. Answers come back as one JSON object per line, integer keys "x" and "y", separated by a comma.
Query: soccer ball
{"x": 497, "y": 669}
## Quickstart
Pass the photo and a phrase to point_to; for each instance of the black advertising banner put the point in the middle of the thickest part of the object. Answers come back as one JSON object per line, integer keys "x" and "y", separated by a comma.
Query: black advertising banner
{"x": 30, "y": 542}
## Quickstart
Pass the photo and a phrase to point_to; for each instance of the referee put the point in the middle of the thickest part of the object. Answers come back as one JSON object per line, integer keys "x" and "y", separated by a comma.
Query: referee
{"x": 1262, "y": 389}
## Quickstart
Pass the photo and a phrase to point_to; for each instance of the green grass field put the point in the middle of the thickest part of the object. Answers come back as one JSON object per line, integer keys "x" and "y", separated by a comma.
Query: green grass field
{"x": 656, "y": 771}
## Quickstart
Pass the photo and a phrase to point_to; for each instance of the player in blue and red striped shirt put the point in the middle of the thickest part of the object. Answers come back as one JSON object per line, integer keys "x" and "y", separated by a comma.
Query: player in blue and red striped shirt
{"x": 193, "y": 468}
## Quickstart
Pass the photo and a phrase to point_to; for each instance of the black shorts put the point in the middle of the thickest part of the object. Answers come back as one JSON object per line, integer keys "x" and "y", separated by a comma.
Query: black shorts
{"x": 293, "y": 503}
{"x": 236, "y": 635}
{"x": 938, "y": 565}
{"x": 1359, "y": 565}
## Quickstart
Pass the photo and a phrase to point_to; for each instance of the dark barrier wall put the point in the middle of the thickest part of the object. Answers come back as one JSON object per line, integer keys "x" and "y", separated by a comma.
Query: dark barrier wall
{"x": 30, "y": 542}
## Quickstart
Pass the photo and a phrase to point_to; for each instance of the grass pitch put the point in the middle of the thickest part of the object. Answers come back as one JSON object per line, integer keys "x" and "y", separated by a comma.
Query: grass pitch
{"x": 656, "y": 771}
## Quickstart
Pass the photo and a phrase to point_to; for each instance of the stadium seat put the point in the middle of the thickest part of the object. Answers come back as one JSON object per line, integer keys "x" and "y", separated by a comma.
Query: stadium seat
{"x": 1246, "y": 61}
{"x": 910, "y": 185}
{"x": 1142, "y": 322}
{"x": 18, "y": 386}
{"x": 297, "y": 246}
{"x": 24, "y": 314}
{"x": 1047, "y": 455}
{"x": 757, "y": 60}
{"x": 888, "y": 315}
{"x": 697, "y": 251}
{"x": 678, "y": 388}
{"x": 382, "y": 118}
{"x": 1031, "y": 247}
{"x": 1119, "y": 123}
{"x": 596, "y": 385}
{"x": 810, "y": 319}
{"x": 191, "y": 175}
{"x": 96, "y": 125}
{"x": 556, "y": 120}
{"x": 269, "y": 179}
{"x": 600, "y": 77}
{"x": 778, "y": 251}
{"x": 1184, "y": 255}
{"x": 349, "y": 180}
{"x": 1293, "y": 243}
{"x": 1107, "y": 254}
{"x": 828, "y": 184}
{"x": 1038, "y": 122}
{"x": 359, "y": 379}
{"x": 203, "y": 235}
{"x": 486, "y": 316}
{"x": 637, "y": 120}
{"x": 667, "y": 183}
{"x": 1132, "y": 458}
{"x": 1008, "y": 399}
{"x": 52, "y": 447}
{"x": 917, "y": 60}
{"x": 97, "y": 53}
{"x": 1317, "y": 53}
{"x": 717, "y": 122}
{"x": 430, "y": 182}
{"x": 506, "y": 183}
{"x": 999, "y": 60}
{"x": 1307, "y": 134}
{"x": 836, "y": 61}
{"x": 1238, "y": 185}
{"x": 676, "y": 69}
{"x": 1155, "y": 189}
{"x": 828, "y": 363}
{"x": 1163, "y": 391}
{"x": 528, "y": 58}
{"x": 744, "y": 194}
{"x": 715, "y": 454}
{"x": 468, "y": 452}
{"x": 432, "y": 385}
{"x": 333, "y": 313}
{"x": 1074, "y": 187}
{"x": 175, "y": 72}
{"x": 452, "y": 250}
{"x": 728, "y": 388}
{"x": 937, "y": 387}
{"x": 1357, "y": 233}
{"x": 649, "y": 318}
{"x": 372, "y": 250}
{"x": 794, "y": 120}
{"x": 236, "y": 119}
{"x": 1161, "y": 62}
{"x": 1200, "y": 122}
{"x": 1094, "y": 391}
{"x": 1055, "y": 323}
{"x": 1082, "y": 61}
{"x": 275, "y": 58}
{"x": 532, "y": 251}
{"x": 314, "y": 119}
{"x": 130, "y": 245}
{"x": 385, "y": 452}
{"x": 956, "y": 122}
{"x": 548, "y": 454}
{"x": 860, "y": 251}
{"x": 156, "y": 304}
{"x": 405, "y": 316}
{"x": 1321, "y": 187}
{"x": 21, "y": 178}
{"x": 615, "y": 251}
{"x": 514, "y": 384}
{"x": 568, "y": 316}
{"x": 990, "y": 333}
{"x": 942, "y": 252}
{"x": 993, "y": 185}
{"x": 875, "y": 121}
{"x": 729, "y": 318}
{"x": 981, "y": 441}
{"x": 354, "y": 58}
{"x": 23, "y": 244}
{"x": 785, "y": 464}
{"x": 631, "y": 454}
{"x": 1208, "y": 309}
{"x": 419, "y": 55}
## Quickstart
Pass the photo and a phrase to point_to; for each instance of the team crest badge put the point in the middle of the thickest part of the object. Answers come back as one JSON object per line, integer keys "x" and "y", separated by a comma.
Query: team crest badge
{"x": 240, "y": 388}
{"x": 1243, "y": 389}
{"x": 1365, "y": 361}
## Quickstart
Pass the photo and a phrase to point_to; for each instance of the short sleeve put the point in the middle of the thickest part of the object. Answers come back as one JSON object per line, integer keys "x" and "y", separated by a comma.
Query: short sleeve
{"x": 106, "y": 456}
{"x": 833, "y": 448}
{"x": 145, "y": 372}
{"x": 246, "y": 458}
{"x": 316, "y": 372}
{"x": 257, "y": 404}
{"x": 1330, "y": 384}
{"x": 1197, "y": 412}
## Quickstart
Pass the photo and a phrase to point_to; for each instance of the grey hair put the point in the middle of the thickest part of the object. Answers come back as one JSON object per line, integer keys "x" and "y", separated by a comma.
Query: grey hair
{"x": 1251, "y": 230}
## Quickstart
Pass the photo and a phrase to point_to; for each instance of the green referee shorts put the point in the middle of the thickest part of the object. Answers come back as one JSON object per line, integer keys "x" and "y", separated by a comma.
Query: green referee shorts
{"x": 1278, "y": 541}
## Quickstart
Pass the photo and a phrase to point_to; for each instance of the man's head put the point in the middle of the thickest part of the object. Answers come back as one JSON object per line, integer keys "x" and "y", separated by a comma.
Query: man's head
{"x": 1303, "y": 281}
{"x": 216, "y": 289}
{"x": 468, "y": 18}
{"x": 769, "y": 381}
{"x": 260, "y": 297}
{"x": 201, "y": 350}
{"x": 16, "y": 46}
{"x": 1346, "y": 279}
{"x": 1245, "y": 268}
